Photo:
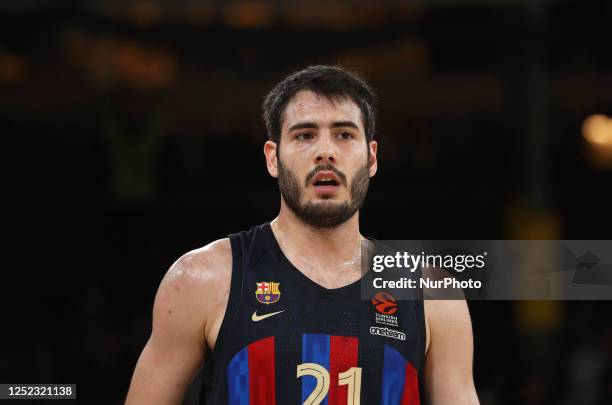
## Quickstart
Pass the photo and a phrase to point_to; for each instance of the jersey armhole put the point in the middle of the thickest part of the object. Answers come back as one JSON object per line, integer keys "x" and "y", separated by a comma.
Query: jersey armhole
{"x": 209, "y": 370}
{"x": 235, "y": 293}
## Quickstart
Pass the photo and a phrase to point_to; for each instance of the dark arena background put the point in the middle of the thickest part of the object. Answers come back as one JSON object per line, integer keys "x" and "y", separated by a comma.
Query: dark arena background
{"x": 131, "y": 134}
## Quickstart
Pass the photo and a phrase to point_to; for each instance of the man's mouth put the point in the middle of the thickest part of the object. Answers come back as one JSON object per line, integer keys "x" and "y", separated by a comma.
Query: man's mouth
{"x": 325, "y": 183}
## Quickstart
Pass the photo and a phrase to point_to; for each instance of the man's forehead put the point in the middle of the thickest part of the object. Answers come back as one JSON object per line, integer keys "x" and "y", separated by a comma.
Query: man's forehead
{"x": 307, "y": 105}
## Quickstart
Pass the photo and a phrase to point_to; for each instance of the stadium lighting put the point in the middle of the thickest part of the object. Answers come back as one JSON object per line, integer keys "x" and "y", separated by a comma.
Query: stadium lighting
{"x": 597, "y": 129}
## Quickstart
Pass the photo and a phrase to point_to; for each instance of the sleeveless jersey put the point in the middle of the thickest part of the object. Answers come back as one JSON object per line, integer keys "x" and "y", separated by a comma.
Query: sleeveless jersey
{"x": 286, "y": 340}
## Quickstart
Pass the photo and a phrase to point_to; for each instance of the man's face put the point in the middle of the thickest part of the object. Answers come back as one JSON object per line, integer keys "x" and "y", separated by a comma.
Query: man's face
{"x": 322, "y": 162}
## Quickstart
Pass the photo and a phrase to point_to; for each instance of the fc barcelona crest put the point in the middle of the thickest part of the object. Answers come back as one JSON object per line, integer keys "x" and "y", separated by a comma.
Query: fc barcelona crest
{"x": 267, "y": 292}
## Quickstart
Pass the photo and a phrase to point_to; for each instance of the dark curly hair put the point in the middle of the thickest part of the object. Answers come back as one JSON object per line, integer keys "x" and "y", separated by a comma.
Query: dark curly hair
{"x": 330, "y": 81}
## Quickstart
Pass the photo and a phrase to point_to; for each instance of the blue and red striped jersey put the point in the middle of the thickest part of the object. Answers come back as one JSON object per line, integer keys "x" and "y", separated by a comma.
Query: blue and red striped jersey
{"x": 286, "y": 340}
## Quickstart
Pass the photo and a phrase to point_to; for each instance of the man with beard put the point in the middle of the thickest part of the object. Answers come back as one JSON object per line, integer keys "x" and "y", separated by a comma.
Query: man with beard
{"x": 274, "y": 314}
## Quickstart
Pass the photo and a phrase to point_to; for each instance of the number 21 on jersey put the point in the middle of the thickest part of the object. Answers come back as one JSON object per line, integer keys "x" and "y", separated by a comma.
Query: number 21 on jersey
{"x": 350, "y": 377}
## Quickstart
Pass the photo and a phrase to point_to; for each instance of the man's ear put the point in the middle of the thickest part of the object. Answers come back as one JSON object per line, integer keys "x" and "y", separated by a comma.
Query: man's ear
{"x": 271, "y": 158}
{"x": 373, "y": 160}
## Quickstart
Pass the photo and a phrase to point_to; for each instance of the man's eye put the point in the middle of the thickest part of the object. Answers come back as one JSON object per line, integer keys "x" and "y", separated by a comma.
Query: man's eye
{"x": 345, "y": 135}
{"x": 304, "y": 136}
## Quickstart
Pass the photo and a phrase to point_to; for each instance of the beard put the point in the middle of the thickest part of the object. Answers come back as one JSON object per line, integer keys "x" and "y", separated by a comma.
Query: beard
{"x": 324, "y": 214}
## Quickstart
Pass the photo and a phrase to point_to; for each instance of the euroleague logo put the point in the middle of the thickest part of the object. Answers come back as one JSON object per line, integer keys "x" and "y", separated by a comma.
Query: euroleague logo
{"x": 384, "y": 303}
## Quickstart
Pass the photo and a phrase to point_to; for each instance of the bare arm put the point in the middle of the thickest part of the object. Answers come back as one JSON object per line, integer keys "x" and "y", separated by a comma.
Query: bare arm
{"x": 448, "y": 365}
{"x": 184, "y": 319}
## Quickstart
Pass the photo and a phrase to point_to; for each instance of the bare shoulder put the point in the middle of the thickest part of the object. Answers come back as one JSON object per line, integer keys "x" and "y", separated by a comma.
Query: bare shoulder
{"x": 185, "y": 313}
{"x": 445, "y": 315}
{"x": 196, "y": 288}
{"x": 445, "y": 310}
{"x": 448, "y": 362}
{"x": 201, "y": 267}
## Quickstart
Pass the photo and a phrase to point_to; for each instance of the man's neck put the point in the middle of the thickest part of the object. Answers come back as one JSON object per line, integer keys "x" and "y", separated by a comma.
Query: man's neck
{"x": 319, "y": 250}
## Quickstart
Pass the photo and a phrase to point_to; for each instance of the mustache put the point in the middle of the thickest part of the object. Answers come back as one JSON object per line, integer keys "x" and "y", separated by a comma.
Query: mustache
{"x": 326, "y": 167}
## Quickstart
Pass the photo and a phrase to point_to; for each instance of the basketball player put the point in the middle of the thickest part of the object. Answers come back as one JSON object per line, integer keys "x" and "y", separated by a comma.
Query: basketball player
{"x": 274, "y": 314}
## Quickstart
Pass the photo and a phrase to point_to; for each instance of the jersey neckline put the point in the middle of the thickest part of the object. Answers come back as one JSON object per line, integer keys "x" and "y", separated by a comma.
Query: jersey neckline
{"x": 339, "y": 292}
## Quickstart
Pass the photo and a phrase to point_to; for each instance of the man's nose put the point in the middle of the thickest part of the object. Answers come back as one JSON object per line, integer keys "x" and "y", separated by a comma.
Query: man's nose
{"x": 326, "y": 151}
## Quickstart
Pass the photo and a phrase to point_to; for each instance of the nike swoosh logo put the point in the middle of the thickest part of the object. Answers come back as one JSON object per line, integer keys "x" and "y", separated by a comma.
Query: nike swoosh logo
{"x": 257, "y": 318}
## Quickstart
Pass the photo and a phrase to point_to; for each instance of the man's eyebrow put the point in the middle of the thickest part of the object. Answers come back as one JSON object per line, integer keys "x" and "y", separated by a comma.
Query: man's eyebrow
{"x": 303, "y": 125}
{"x": 312, "y": 125}
{"x": 340, "y": 124}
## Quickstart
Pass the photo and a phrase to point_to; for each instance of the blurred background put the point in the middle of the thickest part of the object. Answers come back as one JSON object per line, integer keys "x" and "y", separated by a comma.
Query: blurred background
{"x": 132, "y": 134}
